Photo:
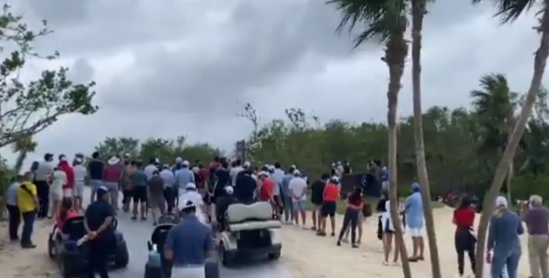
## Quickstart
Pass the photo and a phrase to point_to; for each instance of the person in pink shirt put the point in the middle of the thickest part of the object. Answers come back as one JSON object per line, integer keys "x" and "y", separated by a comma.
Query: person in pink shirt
{"x": 67, "y": 212}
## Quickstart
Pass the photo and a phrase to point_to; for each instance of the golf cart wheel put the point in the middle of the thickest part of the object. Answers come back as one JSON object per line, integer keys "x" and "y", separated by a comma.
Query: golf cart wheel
{"x": 65, "y": 268}
{"x": 274, "y": 256}
{"x": 224, "y": 257}
{"x": 122, "y": 258}
{"x": 51, "y": 248}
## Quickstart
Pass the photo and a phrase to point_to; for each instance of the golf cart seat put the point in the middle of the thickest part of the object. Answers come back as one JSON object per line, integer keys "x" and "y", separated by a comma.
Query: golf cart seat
{"x": 159, "y": 236}
{"x": 74, "y": 229}
{"x": 256, "y": 216}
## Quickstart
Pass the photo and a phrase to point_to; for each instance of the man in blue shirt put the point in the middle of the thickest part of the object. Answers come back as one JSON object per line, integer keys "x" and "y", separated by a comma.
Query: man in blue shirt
{"x": 189, "y": 244}
{"x": 183, "y": 177}
{"x": 11, "y": 205}
{"x": 414, "y": 222}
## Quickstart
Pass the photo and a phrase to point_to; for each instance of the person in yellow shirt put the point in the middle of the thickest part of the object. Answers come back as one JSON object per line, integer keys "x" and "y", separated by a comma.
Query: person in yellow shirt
{"x": 27, "y": 201}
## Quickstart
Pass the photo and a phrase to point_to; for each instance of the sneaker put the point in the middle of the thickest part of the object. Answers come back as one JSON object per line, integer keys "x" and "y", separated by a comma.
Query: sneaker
{"x": 338, "y": 243}
{"x": 355, "y": 245}
{"x": 134, "y": 217}
{"x": 332, "y": 234}
{"x": 320, "y": 233}
{"x": 28, "y": 246}
{"x": 313, "y": 228}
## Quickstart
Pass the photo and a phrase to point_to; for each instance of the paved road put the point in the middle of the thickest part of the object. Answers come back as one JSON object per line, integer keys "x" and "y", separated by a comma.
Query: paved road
{"x": 137, "y": 234}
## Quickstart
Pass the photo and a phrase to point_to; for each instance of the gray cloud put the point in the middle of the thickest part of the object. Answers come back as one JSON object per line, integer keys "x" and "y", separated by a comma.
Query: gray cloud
{"x": 166, "y": 68}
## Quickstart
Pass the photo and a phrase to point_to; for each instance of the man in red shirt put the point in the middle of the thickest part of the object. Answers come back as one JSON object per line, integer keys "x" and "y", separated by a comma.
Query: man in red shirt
{"x": 68, "y": 188}
{"x": 112, "y": 174}
{"x": 266, "y": 190}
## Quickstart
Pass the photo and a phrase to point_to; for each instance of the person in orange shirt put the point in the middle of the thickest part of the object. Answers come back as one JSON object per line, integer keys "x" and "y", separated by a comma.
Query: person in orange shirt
{"x": 329, "y": 206}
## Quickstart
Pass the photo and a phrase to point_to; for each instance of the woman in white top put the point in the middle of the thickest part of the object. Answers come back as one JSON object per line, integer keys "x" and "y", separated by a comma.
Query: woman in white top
{"x": 59, "y": 178}
{"x": 388, "y": 235}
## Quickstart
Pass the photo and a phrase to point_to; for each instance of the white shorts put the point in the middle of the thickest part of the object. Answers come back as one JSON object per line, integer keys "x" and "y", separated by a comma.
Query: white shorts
{"x": 415, "y": 232}
{"x": 67, "y": 192}
{"x": 188, "y": 272}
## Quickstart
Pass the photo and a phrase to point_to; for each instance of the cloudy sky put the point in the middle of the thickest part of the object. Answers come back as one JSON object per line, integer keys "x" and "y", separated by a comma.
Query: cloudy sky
{"x": 167, "y": 68}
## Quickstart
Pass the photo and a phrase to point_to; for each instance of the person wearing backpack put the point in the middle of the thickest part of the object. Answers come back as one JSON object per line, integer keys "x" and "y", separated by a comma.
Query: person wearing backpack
{"x": 27, "y": 202}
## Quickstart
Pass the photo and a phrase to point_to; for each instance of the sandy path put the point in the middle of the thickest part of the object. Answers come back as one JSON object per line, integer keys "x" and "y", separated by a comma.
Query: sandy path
{"x": 305, "y": 254}
{"x": 16, "y": 262}
{"x": 313, "y": 257}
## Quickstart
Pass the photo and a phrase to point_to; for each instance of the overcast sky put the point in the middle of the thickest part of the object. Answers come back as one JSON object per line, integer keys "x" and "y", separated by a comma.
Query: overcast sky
{"x": 167, "y": 68}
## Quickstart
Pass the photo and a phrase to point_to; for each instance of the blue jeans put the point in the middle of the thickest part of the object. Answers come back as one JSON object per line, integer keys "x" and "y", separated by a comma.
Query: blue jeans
{"x": 499, "y": 261}
{"x": 28, "y": 225}
{"x": 95, "y": 184}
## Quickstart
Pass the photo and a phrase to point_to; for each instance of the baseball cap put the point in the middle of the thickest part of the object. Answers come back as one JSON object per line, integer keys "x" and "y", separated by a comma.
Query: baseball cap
{"x": 185, "y": 163}
{"x": 262, "y": 173}
{"x": 246, "y": 164}
{"x": 178, "y": 160}
{"x": 334, "y": 179}
{"x": 415, "y": 186}
{"x": 190, "y": 185}
{"x": 186, "y": 204}
{"x": 296, "y": 172}
{"x": 229, "y": 189}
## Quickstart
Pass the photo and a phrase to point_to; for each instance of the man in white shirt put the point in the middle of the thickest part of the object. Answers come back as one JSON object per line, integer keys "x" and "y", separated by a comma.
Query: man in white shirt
{"x": 235, "y": 170}
{"x": 191, "y": 194}
{"x": 80, "y": 173}
{"x": 149, "y": 169}
{"x": 298, "y": 189}
{"x": 42, "y": 176}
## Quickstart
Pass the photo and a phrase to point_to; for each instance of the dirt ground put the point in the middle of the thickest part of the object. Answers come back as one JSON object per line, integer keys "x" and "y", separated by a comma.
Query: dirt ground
{"x": 306, "y": 255}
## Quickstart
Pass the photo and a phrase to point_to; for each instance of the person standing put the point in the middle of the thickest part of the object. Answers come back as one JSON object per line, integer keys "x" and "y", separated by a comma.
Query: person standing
{"x": 464, "y": 218}
{"x": 127, "y": 186}
{"x": 503, "y": 248}
{"x": 112, "y": 174}
{"x": 13, "y": 209}
{"x": 58, "y": 180}
{"x": 183, "y": 176}
{"x": 317, "y": 198}
{"x": 98, "y": 222}
{"x": 189, "y": 244}
{"x": 169, "y": 179}
{"x": 235, "y": 170}
{"x": 330, "y": 194}
{"x": 413, "y": 209}
{"x": 355, "y": 202}
{"x": 80, "y": 174}
{"x": 287, "y": 196}
{"x": 42, "y": 180}
{"x": 156, "y": 195}
{"x": 536, "y": 218}
{"x": 150, "y": 168}
{"x": 246, "y": 185}
{"x": 68, "y": 187}
{"x": 298, "y": 189}
{"x": 95, "y": 168}
{"x": 139, "y": 181}
{"x": 27, "y": 202}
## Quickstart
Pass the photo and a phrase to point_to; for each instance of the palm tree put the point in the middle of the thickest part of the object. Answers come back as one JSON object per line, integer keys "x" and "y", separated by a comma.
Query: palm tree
{"x": 384, "y": 20}
{"x": 495, "y": 106}
{"x": 508, "y": 11}
{"x": 418, "y": 13}
{"x": 23, "y": 146}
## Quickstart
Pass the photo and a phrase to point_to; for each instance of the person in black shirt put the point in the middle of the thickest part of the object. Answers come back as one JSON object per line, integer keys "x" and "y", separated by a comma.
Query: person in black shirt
{"x": 317, "y": 197}
{"x": 95, "y": 167}
{"x": 223, "y": 204}
{"x": 98, "y": 221}
{"x": 245, "y": 186}
{"x": 222, "y": 179}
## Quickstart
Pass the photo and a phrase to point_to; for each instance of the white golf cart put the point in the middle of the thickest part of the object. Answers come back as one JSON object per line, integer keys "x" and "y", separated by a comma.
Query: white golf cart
{"x": 250, "y": 231}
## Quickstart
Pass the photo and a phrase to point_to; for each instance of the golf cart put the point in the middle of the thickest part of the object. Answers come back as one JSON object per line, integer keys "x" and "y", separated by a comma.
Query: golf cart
{"x": 158, "y": 267}
{"x": 250, "y": 231}
{"x": 69, "y": 249}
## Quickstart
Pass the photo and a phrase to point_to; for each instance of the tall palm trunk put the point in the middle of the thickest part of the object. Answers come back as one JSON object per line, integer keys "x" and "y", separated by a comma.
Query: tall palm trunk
{"x": 540, "y": 60}
{"x": 418, "y": 12}
{"x": 395, "y": 53}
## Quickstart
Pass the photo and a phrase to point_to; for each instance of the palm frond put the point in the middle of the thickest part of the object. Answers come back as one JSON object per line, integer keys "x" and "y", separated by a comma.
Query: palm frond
{"x": 380, "y": 18}
{"x": 510, "y": 10}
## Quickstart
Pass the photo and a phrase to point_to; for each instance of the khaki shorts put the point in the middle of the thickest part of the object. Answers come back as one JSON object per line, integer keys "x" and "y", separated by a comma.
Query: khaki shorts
{"x": 68, "y": 193}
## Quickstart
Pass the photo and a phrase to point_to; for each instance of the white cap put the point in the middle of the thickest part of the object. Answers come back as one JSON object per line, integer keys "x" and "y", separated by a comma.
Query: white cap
{"x": 78, "y": 160}
{"x": 501, "y": 201}
{"x": 62, "y": 158}
{"x": 229, "y": 189}
{"x": 334, "y": 179}
{"x": 190, "y": 185}
{"x": 296, "y": 172}
{"x": 178, "y": 160}
{"x": 185, "y": 163}
{"x": 127, "y": 155}
{"x": 263, "y": 173}
{"x": 186, "y": 204}
{"x": 246, "y": 164}
{"x": 113, "y": 160}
